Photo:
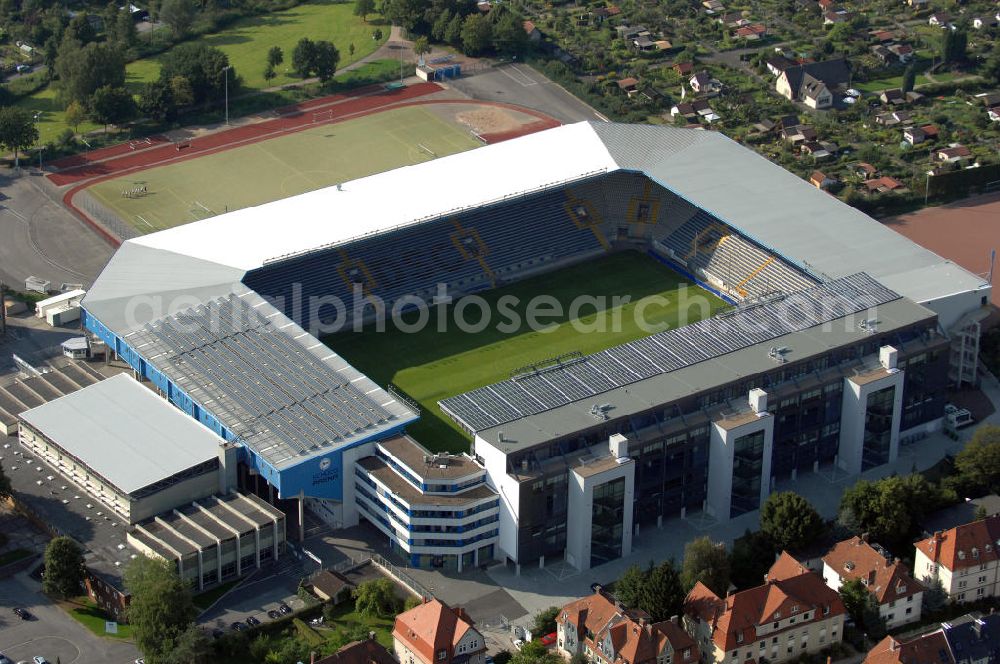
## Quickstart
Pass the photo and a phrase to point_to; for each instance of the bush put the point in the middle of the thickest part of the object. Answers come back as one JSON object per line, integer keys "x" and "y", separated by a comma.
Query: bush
{"x": 308, "y": 634}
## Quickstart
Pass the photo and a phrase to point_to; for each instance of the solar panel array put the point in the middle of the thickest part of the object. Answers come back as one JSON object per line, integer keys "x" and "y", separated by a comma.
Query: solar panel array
{"x": 258, "y": 380}
{"x": 562, "y": 384}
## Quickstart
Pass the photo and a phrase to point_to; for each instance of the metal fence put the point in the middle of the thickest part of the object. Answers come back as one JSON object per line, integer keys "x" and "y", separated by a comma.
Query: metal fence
{"x": 402, "y": 577}
{"x": 104, "y": 216}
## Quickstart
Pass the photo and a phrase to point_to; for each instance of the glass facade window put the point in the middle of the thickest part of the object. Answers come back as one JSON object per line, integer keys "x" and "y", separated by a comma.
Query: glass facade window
{"x": 748, "y": 462}
{"x": 878, "y": 427}
{"x": 607, "y": 522}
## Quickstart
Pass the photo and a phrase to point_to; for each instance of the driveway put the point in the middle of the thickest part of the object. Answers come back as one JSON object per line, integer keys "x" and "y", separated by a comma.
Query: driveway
{"x": 52, "y": 634}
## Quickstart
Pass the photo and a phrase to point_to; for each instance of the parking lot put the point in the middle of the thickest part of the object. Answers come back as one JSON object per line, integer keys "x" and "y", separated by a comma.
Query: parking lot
{"x": 51, "y": 633}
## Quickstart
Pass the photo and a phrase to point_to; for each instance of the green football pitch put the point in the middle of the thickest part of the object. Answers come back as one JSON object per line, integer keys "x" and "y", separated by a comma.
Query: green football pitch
{"x": 431, "y": 365}
{"x": 284, "y": 166}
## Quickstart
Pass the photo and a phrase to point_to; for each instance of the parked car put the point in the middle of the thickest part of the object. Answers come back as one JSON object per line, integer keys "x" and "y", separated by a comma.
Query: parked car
{"x": 548, "y": 639}
{"x": 38, "y": 659}
{"x": 23, "y": 68}
{"x": 273, "y": 614}
{"x": 22, "y": 613}
{"x": 284, "y": 609}
{"x": 238, "y": 626}
{"x": 253, "y": 621}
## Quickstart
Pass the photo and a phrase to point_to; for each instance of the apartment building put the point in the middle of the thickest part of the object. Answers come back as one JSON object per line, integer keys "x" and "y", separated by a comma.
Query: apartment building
{"x": 962, "y": 559}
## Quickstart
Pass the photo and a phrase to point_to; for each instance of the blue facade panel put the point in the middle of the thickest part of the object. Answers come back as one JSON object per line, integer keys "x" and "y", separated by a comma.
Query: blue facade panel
{"x": 315, "y": 477}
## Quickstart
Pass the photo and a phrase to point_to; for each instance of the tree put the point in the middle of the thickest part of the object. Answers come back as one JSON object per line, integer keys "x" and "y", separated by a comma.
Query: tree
{"x": 376, "y": 598}
{"x": 4, "y": 480}
{"x": 325, "y": 57}
{"x": 181, "y": 91}
{"x": 509, "y": 36}
{"x": 269, "y": 73}
{"x": 112, "y": 106}
{"x": 203, "y": 66}
{"x": 421, "y": 46}
{"x": 440, "y": 25}
{"x": 862, "y": 606}
{"x": 302, "y": 57}
{"x": 706, "y": 561}
{"x": 377, "y": 34}
{"x": 545, "y": 621}
{"x": 935, "y": 598}
{"x": 350, "y": 50}
{"x": 628, "y": 588}
{"x": 17, "y": 133}
{"x": 662, "y": 595}
{"x": 156, "y": 101}
{"x": 84, "y": 69}
{"x": 75, "y": 114}
{"x": 193, "y": 646}
{"x": 178, "y": 15}
{"x": 63, "y": 568}
{"x": 888, "y": 509}
{"x": 751, "y": 558}
{"x": 978, "y": 464}
{"x": 502, "y": 657}
{"x": 125, "y": 29}
{"x": 909, "y": 79}
{"x": 477, "y": 34}
{"x": 953, "y": 45}
{"x": 160, "y": 610}
{"x": 404, "y": 13}
{"x": 453, "y": 34}
{"x": 534, "y": 652}
{"x": 363, "y": 8}
{"x": 790, "y": 521}
{"x": 80, "y": 29}
{"x": 275, "y": 56}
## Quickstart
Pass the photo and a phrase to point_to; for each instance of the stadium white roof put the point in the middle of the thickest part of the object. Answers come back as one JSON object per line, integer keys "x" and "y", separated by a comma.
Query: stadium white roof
{"x": 125, "y": 433}
{"x": 808, "y": 227}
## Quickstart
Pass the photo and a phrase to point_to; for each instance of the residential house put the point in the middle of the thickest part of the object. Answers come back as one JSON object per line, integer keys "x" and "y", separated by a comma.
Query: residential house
{"x": 939, "y": 19}
{"x": 789, "y": 121}
{"x": 883, "y": 184}
{"x": 799, "y": 134}
{"x": 978, "y": 23}
{"x": 629, "y": 86}
{"x": 712, "y": 6}
{"x": 792, "y": 613}
{"x": 963, "y": 559}
{"x": 691, "y": 110}
{"x": 994, "y": 113}
{"x": 893, "y": 118}
{"x": 865, "y": 170}
{"x": 765, "y": 125}
{"x": 813, "y": 83}
{"x": 435, "y": 633}
{"x": 604, "y": 631}
{"x": 630, "y": 32}
{"x": 884, "y": 55}
{"x": 367, "y": 651}
{"x": 814, "y": 149}
{"x": 835, "y": 17}
{"x": 703, "y": 83}
{"x": 970, "y": 639}
{"x": 953, "y": 154}
{"x": 534, "y": 34}
{"x": 332, "y": 586}
{"x": 914, "y": 135}
{"x": 826, "y": 5}
{"x": 683, "y": 68}
{"x": 898, "y": 594}
{"x": 733, "y": 20}
{"x": 778, "y": 64}
{"x": 882, "y": 36}
{"x": 989, "y": 99}
{"x": 903, "y": 52}
{"x": 893, "y": 96}
{"x": 752, "y": 32}
{"x": 821, "y": 180}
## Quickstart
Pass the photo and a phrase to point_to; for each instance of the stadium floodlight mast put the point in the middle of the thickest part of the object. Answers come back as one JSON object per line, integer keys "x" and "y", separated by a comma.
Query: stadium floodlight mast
{"x": 225, "y": 70}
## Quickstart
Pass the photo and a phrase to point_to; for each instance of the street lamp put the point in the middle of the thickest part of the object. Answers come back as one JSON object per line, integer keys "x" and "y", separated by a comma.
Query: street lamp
{"x": 225, "y": 70}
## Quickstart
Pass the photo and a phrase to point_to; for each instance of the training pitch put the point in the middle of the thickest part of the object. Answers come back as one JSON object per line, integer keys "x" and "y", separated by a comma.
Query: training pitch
{"x": 430, "y": 365}
{"x": 291, "y": 164}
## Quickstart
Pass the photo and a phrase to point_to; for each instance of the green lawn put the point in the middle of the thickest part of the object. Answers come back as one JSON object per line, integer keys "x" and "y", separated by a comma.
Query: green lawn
{"x": 52, "y": 120}
{"x": 880, "y": 84}
{"x": 247, "y": 41}
{"x": 85, "y": 612}
{"x": 431, "y": 365}
{"x": 310, "y": 159}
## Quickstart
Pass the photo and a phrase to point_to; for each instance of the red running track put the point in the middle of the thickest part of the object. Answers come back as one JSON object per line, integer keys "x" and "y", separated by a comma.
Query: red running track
{"x": 105, "y": 161}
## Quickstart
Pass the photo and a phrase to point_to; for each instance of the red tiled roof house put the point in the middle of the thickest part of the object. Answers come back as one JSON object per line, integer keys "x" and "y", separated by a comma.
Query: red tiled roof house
{"x": 898, "y": 594}
{"x": 605, "y": 632}
{"x": 964, "y": 560}
{"x": 435, "y": 633}
{"x": 792, "y": 613}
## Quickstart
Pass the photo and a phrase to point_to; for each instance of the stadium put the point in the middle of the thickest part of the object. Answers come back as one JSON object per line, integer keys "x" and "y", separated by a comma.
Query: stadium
{"x": 839, "y": 341}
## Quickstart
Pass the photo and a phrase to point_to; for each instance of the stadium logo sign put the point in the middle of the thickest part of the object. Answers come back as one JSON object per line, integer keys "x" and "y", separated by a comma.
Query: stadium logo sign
{"x": 327, "y": 472}
{"x": 324, "y": 463}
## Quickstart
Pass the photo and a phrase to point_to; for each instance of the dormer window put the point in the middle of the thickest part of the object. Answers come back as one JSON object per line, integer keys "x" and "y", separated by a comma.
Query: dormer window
{"x": 901, "y": 589}
{"x": 442, "y": 655}
{"x": 961, "y": 555}
{"x": 795, "y": 608}
{"x": 975, "y": 552}
{"x": 739, "y": 637}
{"x": 777, "y": 614}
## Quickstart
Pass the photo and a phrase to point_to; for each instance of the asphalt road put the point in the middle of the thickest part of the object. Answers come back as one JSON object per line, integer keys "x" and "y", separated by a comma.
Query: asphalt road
{"x": 38, "y": 237}
{"x": 52, "y": 634}
{"x": 520, "y": 84}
